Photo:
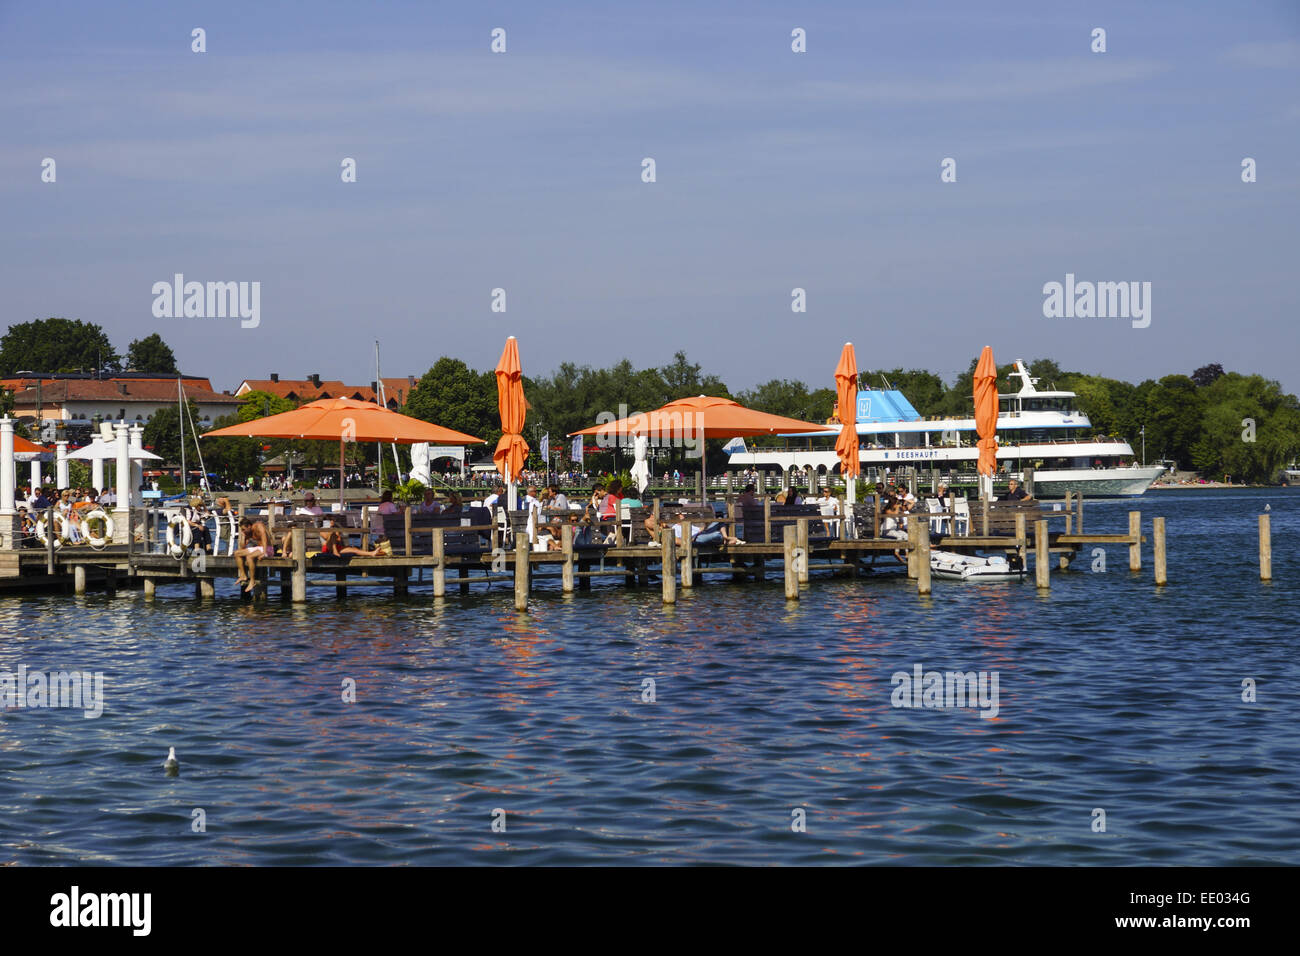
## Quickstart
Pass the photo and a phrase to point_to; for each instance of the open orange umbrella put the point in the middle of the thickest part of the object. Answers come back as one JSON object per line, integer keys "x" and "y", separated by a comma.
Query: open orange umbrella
{"x": 24, "y": 447}
{"x": 986, "y": 411}
{"x": 698, "y": 418}
{"x": 846, "y": 390}
{"x": 512, "y": 450}
{"x": 702, "y": 417}
{"x": 346, "y": 420}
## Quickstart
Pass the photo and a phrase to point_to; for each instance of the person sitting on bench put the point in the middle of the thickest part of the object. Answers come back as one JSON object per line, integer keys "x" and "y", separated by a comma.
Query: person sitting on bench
{"x": 1015, "y": 492}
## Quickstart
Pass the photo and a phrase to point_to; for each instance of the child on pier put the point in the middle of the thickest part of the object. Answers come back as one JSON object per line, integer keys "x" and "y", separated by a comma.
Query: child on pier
{"x": 256, "y": 541}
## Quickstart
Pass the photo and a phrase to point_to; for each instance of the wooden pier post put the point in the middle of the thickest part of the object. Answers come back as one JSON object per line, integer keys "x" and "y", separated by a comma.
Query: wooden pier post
{"x": 298, "y": 537}
{"x": 49, "y": 539}
{"x": 341, "y": 592}
{"x": 1265, "y": 549}
{"x": 791, "y": 576}
{"x": 79, "y": 579}
{"x": 688, "y": 558}
{"x": 922, "y": 557}
{"x": 1069, "y": 514}
{"x": 668, "y": 565}
{"x": 439, "y": 548}
{"x": 1078, "y": 523}
{"x": 1022, "y": 539}
{"x": 1135, "y": 548}
{"x": 408, "y": 530}
{"x": 521, "y": 572}
{"x": 1158, "y": 547}
{"x": 207, "y": 587}
{"x": 913, "y": 539}
{"x": 984, "y": 510}
{"x": 801, "y": 541}
{"x": 566, "y": 548}
{"x": 1042, "y": 562}
{"x": 150, "y": 586}
{"x": 767, "y": 520}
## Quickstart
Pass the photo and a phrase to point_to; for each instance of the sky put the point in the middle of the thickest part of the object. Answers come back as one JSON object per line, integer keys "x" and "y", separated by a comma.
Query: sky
{"x": 774, "y": 170}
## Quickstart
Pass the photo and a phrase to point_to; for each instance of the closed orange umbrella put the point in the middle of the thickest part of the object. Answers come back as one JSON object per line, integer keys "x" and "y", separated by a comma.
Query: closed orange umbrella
{"x": 512, "y": 450}
{"x": 846, "y": 390}
{"x": 346, "y": 420}
{"x": 986, "y": 411}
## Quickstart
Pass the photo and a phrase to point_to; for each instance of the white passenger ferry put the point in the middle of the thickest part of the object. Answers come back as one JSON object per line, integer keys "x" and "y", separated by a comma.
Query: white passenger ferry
{"x": 1035, "y": 428}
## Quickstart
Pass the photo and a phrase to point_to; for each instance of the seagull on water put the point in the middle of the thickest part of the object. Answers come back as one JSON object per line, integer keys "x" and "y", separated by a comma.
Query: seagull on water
{"x": 171, "y": 765}
{"x": 1268, "y": 507}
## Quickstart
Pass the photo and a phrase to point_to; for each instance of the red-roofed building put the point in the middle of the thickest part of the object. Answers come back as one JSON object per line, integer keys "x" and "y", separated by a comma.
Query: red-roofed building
{"x": 117, "y": 399}
{"x": 396, "y": 390}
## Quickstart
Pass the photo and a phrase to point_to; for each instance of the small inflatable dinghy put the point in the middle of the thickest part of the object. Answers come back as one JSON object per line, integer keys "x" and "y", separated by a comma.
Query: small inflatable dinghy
{"x": 967, "y": 567}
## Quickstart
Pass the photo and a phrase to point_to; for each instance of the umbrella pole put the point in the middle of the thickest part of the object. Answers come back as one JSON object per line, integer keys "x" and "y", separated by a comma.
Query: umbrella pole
{"x": 340, "y": 474}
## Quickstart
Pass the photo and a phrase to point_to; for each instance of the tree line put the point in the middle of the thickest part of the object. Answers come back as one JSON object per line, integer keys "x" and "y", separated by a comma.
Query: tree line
{"x": 1211, "y": 421}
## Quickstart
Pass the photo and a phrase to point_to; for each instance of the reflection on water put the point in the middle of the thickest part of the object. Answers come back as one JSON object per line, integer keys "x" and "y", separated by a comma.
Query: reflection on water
{"x": 1111, "y": 695}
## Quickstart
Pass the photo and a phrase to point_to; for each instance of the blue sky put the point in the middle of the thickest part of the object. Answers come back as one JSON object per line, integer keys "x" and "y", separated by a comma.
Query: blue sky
{"x": 775, "y": 170}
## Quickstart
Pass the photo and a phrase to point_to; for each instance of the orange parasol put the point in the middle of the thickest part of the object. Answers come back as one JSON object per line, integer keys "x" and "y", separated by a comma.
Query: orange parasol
{"x": 24, "y": 447}
{"x": 702, "y": 417}
{"x": 512, "y": 450}
{"x": 986, "y": 411}
{"x": 846, "y": 387}
{"x": 346, "y": 420}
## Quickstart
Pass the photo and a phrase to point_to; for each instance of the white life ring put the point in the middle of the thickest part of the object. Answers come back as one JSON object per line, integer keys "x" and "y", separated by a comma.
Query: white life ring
{"x": 60, "y": 527}
{"x": 96, "y": 541}
{"x": 175, "y": 549}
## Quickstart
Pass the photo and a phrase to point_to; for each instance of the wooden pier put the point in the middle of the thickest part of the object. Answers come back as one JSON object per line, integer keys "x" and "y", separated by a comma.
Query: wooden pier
{"x": 453, "y": 553}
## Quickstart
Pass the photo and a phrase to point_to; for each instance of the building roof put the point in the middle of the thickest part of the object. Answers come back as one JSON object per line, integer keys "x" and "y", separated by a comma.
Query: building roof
{"x": 160, "y": 392}
{"x": 17, "y": 383}
{"x": 396, "y": 390}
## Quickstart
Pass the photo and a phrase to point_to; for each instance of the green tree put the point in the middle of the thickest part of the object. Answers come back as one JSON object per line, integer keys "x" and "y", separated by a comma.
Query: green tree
{"x": 453, "y": 395}
{"x": 57, "y": 345}
{"x": 162, "y": 434}
{"x": 151, "y": 354}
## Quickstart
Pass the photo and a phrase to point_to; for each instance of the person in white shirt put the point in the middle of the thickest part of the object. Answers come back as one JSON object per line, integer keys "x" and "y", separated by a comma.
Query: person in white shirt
{"x": 309, "y": 505}
{"x": 533, "y": 506}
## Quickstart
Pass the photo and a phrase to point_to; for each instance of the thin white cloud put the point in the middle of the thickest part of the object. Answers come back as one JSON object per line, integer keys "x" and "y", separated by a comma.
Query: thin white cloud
{"x": 1279, "y": 55}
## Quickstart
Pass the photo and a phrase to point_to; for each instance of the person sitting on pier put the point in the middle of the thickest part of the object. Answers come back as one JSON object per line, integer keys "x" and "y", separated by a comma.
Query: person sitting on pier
{"x": 429, "y": 505}
{"x": 331, "y": 543}
{"x": 453, "y": 504}
{"x": 386, "y": 507}
{"x": 891, "y": 524}
{"x": 72, "y": 527}
{"x": 196, "y": 516}
{"x": 492, "y": 500}
{"x": 559, "y": 500}
{"x": 1015, "y": 492}
{"x": 256, "y": 541}
{"x": 27, "y": 529}
{"x": 613, "y": 495}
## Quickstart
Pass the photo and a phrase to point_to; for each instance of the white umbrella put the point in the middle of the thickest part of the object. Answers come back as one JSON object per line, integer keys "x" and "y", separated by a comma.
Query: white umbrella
{"x": 104, "y": 451}
{"x": 640, "y": 470}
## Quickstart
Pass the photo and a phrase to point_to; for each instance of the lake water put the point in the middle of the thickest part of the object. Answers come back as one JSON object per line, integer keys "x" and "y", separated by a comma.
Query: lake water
{"x": 1113, "y": 695}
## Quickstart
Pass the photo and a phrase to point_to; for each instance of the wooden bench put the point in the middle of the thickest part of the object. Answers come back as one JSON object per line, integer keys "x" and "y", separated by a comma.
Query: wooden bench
{"x": 765, "y": 523}
{"x": 696, "y": 515}
{"x": 466, "y": 532}
{"x": 581, "y": 519}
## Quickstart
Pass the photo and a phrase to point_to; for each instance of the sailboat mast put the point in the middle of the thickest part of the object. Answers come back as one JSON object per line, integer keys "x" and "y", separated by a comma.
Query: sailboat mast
{"x": 180, "y": 408}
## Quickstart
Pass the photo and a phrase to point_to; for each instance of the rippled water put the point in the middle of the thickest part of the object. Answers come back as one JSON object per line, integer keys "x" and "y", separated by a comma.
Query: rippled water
{"x": 1113, "y": 695}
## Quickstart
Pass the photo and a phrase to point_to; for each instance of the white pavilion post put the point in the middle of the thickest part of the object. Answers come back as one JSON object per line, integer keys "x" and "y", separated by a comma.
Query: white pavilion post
{"x": 137, "y": 465}
{"x": 36, "y": 473}
{"x": 97, "y": 474}
{"x": 8, "y": 519}
{"x": 122, "y": 472}
{"x": 61, "y": 463}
